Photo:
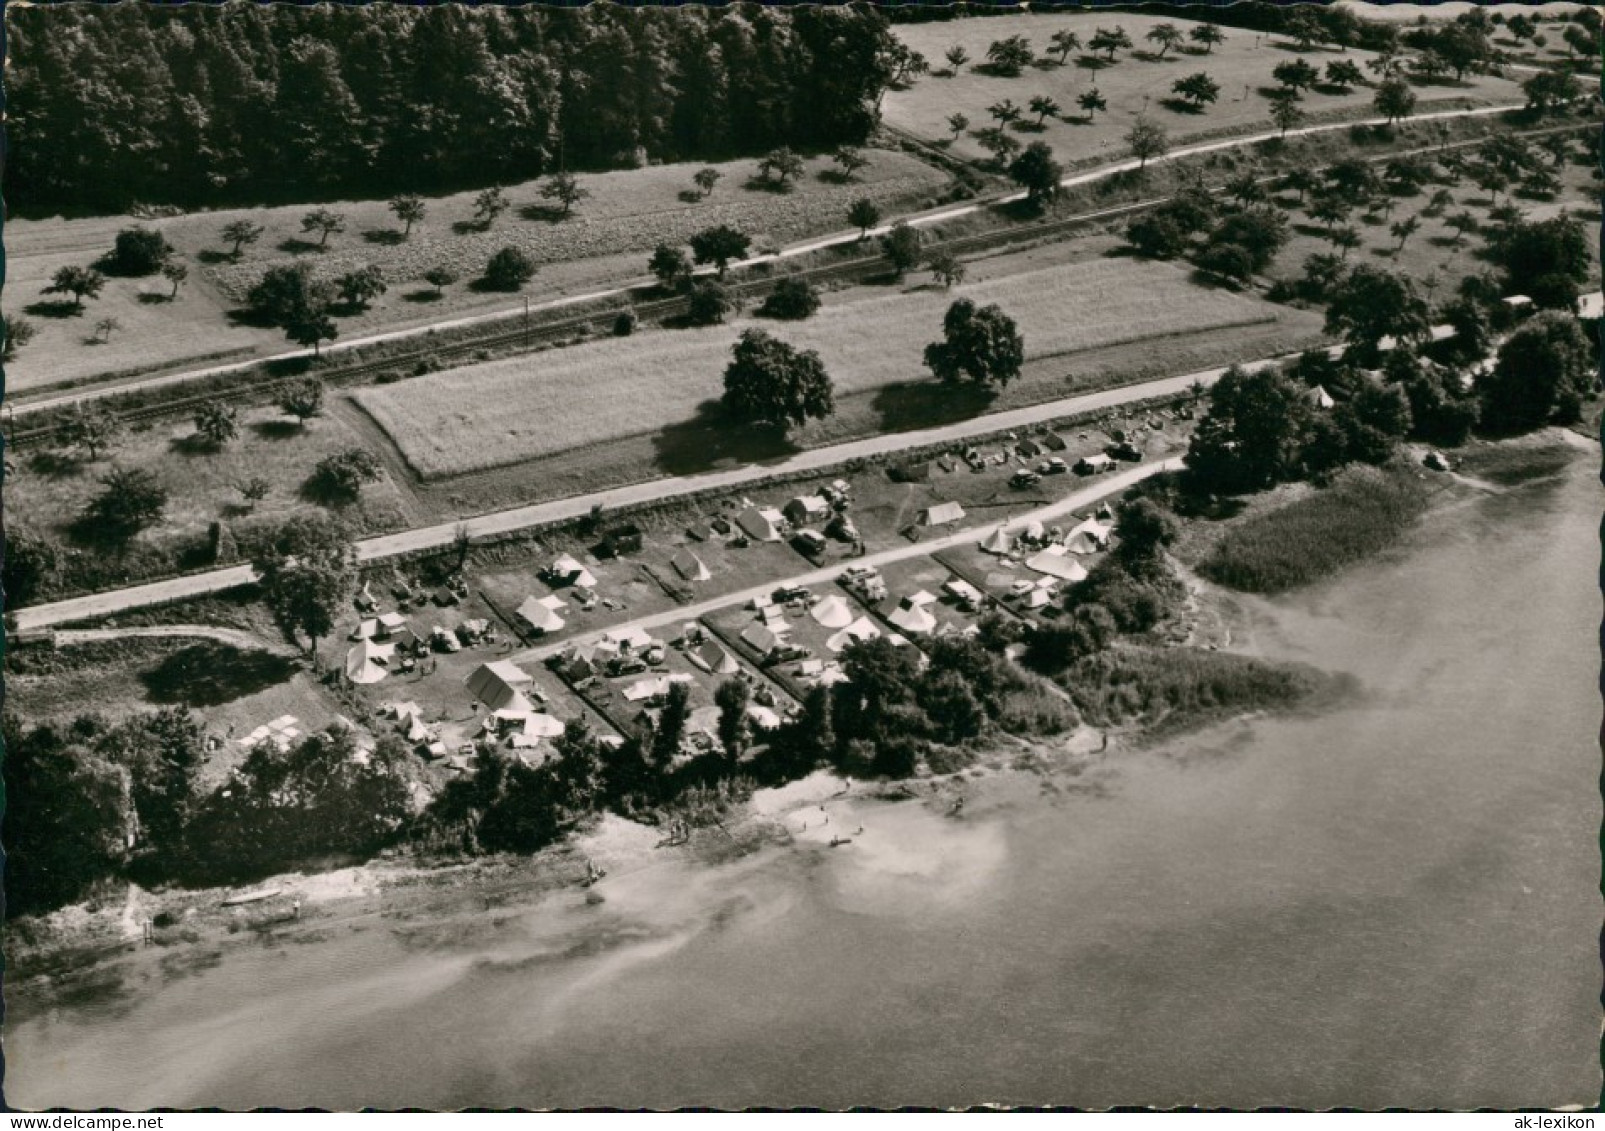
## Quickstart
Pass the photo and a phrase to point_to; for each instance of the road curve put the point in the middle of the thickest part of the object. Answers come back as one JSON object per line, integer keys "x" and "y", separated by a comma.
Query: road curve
{"x": 919, "y": 219}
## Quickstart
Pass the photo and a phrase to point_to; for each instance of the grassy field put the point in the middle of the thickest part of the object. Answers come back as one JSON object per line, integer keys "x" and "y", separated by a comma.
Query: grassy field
{"x": 46, "y": 493}
{"x": 605, "y": 240}
{"x": 1363, "y": 512}
{"x": 511, "y": 411}
{"x": 1135, "y": 82}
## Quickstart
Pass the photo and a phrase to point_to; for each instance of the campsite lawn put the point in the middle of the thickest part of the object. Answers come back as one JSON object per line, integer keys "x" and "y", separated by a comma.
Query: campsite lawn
{"x": 511, "y": 411}
{"x": 605, "y": 241}
{"x": 1136, "y": 82}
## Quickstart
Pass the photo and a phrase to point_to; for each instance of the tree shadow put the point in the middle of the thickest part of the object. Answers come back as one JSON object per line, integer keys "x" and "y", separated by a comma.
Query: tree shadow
{"x": 423, "y": 296}
{"x": 1030, "y": 127}
{"x": 483, "y": 286}
{"x": 711, "y": 438}
{"x": 1093, "y": 63}
{"x": 387, "y": 237}
{"x": 296, "y": 246}
{"x": 548, "y": 213}
{"x": 249, "y": 316}
{"x": 276, "y": 429}
{"x": 290, "y": 366}
{"x": 465, "y": 227}
{"x": 1152, "y": 56}
{"x": 834, "y": 177}
{"x": 910, "y": 405}
{"x": 212, "y": 673}
{"x": 193, "y": 444}
{"x": 94, "y": 340}
{"x": 1181, "y": 106}
{"x": 690, "y": 196}
{"x": 774, "y": 188}
{"x": 324, "y": 492}
{"x": 211, "y": 256}
{"x": 154, "y": 298}
{"x": 54, "y": 308}
{"x": 57, "y": 465}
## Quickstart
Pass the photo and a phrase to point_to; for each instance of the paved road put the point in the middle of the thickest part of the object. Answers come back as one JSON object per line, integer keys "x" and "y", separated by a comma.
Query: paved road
{"x": 519, "y": 518}
{"x": 804, "y": 248}
{"x": 1103, "y": 487}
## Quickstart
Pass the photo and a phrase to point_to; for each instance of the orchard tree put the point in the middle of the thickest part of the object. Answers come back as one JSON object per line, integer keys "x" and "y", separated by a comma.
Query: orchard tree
{"x": 139, "y": 251}
{"x": 863, "y": 215}
{"x": 18, "y": 331}
{"x": 1064, "y": 41}
{"x": 1147, "y": 140}
{"x": 1462, "y": 222}
{"x": 1010, "y": 56}
{"x": 769, "y": 382}
{"x": 1111, "y": 40}
{"x": 793, "y": 298}
{"x": 307, "y": 570}
{"x": 1005, "y": 113}
{"x": 958, "y": 123}
{"x": 1166, "y": 35}
{"x": 410, "y": 209}
{"x": 1091, "y": 101}
{"x": 315, "y": 328}
{"x": 1285, "y": 111}
{"x": 509, "y": 269}
{"x": 217, "y": 423}
{"x": 1550, "y": 90}
{"x": 705, "y": 179}
{"x": 90, "y": 426}
{"x": 1394, "y": 99}
{"x": 1344, "y": 75}
{"x": 1038, "y": 173}
{"x": 489, "y": 204}
{"x": 982, "y": 346}
{"x": 341, "y": 476}
{"x": 851, "y": 160}
{"x": 174, "y": 273}
{"x": 1198, "y": 89}
{"x": 287, "y": 293}
{"x": 708, "y": 302}
{"x": 440, "y": 278}
{"x": 80, "y": 282}
{"x": 325, "y": 222}
{"x": 106, "y": 327}
{"x": 1209, "y": 35}
{"x": 1044, "y": 107}
{"x": 946, "y": 268}
{"x": 240, "y": 233}
{"x": 998, "y": 143}
{"x": 565, "y": 188}
{"x": 780, "y": 166}
{"x": 720, "y": 246}
{"x": 672, "y": 266}
{"x": 1301, "y": 26}
{"x": 359, "y": 288}
{"x": 956, "y": 57}
{"x": 301, "y": 399}
{"x": 1402, "y": 231}
{"x": 902, "y": 248}
{"x": 1296, "y": 74}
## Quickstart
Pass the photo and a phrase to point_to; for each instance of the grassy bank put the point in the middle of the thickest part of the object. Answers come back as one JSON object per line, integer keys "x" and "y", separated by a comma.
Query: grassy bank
{"x": 1164, "y": 690}
{"x": 1362, "y": 512}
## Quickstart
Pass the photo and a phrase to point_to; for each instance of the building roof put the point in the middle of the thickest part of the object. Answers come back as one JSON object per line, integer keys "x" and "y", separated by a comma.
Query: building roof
{"x": 758, "y": 524}
{"x": 365, "y": 662}
{"x": 568, "y": 570}
{"x": 1054, "y": 563}
{"x": 832, "y": 612}
{"x": 912, "y": 618}
{"x": 713, "y": 658}
{"x": 539, "y": 616}
{"x": 761, "y": 638}
{"x": 497, "y": 685}
{"x": 941, "y": 514}
{"x": 861, "y": 629}
{"x": 1000, "y": 542}
{"x": 689, "y": 566}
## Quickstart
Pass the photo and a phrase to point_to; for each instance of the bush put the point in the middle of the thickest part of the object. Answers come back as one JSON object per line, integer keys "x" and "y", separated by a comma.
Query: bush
{"x": 709, "y": 303}
{"x": 509, "y": 269}
{"x": 624, "y": 323}
{"x": 341, "y": 477}
{"x": 792, "y": 298}
{"x": 1173, "y": 687}
{"x": 139, "y": 251}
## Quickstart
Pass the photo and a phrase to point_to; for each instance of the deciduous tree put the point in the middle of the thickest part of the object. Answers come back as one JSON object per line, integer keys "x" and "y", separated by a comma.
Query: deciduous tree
{"x": 769, "y": 382}
{"x": 981, "y": 345}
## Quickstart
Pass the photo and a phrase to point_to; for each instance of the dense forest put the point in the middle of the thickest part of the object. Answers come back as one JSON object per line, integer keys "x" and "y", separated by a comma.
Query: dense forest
{"x": 242, "y": 103}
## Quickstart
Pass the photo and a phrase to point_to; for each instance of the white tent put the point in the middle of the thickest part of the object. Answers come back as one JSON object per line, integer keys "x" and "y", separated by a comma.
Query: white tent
{"x": 758, "y": 524}
{"x": 366, "y": 630}
{"x": 632, "y": 638}
{"x": 941, "y": 514}
{"x": 497, "y": 685}
{"x": 365, "y": 662}
{"x": 1001, "y": 542}
{"x": 1097, "y": 531}
{"x": 1038, "y": 599}
{"x": 1320, "y": 398}
{"x": 566, "y": 570}
{"x": 922, "y": 598}
{"x": 654, "y": 687}
{"x": 539, "y": 616}
{"x": 912, "y": 618}
{"x": 861, "y": 629}
{"x": 689, "y": 566}
{"x": 1054, "y": 563}
{"x": 763, "y": 717}
{"x": 964, "y": 592}
{"x": 832, "y": 612}
{"x": 804, "y": 509}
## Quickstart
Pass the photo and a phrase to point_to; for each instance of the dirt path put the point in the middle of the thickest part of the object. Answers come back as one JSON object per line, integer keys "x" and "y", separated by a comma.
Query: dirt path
{"x": 245, "y": 641}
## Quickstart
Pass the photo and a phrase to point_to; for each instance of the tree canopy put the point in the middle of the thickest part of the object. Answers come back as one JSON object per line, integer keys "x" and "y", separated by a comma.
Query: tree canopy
{"x": 770, "y": 382}
{"x": 981, "y": 345}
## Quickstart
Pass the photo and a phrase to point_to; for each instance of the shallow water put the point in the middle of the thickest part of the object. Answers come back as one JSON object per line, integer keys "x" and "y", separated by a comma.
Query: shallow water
{"x": 1394, "y": 903}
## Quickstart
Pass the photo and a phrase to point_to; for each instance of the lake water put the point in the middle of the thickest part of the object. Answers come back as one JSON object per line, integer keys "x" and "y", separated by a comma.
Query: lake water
{"x": 1394, "y": 903}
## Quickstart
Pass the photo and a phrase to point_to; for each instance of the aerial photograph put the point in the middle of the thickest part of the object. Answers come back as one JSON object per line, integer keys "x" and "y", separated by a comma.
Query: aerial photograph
{"x": 802, "y": 556}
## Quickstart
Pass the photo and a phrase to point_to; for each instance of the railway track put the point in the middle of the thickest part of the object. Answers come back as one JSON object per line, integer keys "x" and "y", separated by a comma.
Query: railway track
{"x": 857, "y": 269}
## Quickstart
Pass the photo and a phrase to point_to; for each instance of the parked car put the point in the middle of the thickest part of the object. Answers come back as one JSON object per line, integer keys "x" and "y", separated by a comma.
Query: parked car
{"x": 1125, "y": 451}
{"x": 625, "y": 665}
{"x": 1025, "y": 477}
{"x": 1054, "y": 466}
{"x": 809, "y": 542}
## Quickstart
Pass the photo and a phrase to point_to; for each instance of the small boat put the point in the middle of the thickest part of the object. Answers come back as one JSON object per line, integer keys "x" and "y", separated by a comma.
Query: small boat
{"x": 838, "y": 841}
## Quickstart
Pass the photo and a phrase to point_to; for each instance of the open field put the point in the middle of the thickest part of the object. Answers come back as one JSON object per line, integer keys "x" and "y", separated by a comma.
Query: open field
{"x": 1135, "y": 82}
{"x": 605, "y": 240}
{"x": 503, "y": 413}
{"x": 46, "y": 492}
